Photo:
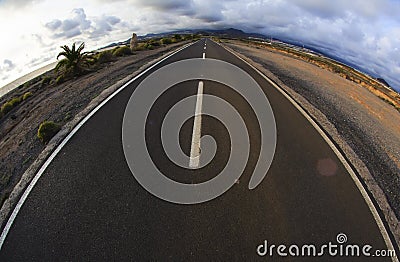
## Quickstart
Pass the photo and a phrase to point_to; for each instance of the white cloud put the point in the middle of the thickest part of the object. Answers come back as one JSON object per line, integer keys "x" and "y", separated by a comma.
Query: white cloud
{"x": 54, "y": 25}
{"x": 103, "y": 25}
{"x": 69, "y": 27}
{"x": 17, "y": 4}
{"x": 7, "y": 66}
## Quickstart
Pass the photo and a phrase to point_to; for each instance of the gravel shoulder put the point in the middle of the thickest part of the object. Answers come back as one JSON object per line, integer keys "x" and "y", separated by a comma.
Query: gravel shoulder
{"x": 366, "y": 128}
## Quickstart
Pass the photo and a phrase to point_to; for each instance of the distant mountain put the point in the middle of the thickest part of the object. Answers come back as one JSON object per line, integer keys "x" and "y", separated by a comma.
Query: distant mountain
{"x": 383, "y": 81}
{"x": 232, "y": 33}
{"x": 228, "y": 33}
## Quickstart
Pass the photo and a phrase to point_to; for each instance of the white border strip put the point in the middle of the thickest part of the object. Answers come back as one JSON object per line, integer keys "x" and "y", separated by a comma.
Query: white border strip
{"x": 359, "y": 185}
{"x": 27, "y": 191}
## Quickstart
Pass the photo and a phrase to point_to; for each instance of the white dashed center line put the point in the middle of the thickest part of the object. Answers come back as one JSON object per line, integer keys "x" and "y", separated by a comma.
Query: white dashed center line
{"x": 196, "y": 135}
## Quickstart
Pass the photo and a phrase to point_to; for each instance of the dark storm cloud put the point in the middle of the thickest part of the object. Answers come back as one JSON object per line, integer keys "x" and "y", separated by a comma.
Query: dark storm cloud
{"x": 324, "y": 9}
{"x": 209, "y": 18}
{"x": 165, "y": 5}
{"x": 208, "y": 11}
{"x": 363, "y": 32}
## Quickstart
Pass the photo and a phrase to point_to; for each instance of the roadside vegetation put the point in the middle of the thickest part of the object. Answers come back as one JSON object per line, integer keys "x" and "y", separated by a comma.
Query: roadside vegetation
{"x": 104, "y": 57}
{"x": 9, "y": 105}
{"x": 75, "y": 62}
{"x": 122, "y": 51}
{"x": 373, "y": 85}
{"x": 47, "y": 130}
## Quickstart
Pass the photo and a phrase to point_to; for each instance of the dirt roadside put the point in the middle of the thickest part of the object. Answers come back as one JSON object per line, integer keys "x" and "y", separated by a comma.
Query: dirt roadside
{"x": 22, "y": 153}
{"x": 366, "y": 128}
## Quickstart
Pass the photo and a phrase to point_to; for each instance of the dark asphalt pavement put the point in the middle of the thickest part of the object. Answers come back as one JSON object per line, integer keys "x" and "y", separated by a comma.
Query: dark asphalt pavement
{"x": 87, "y": 206}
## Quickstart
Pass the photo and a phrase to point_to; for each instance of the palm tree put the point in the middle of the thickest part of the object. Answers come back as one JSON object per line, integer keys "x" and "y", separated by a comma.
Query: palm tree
{"x": 75, "y": 61}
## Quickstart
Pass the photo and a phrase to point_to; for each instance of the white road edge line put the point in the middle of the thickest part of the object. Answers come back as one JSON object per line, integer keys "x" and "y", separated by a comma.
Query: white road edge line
{"x": 64, "y": 142}
{"x": 196, "y": 134}
{"x": 358, "y": 183}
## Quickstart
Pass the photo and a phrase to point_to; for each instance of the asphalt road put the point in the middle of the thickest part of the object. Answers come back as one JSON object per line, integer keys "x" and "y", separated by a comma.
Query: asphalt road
{"x": 87, "y": 206}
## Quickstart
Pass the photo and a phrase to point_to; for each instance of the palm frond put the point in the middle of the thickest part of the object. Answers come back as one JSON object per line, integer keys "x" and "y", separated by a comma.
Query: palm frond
{"x": 66, "y": 48}
{"x": 61, "y": 63}
{"x": 74, "y": 60}
{"x": 62, "y": 54}
{"x": 81, "y": 47}
{"x": 73, "y": 48}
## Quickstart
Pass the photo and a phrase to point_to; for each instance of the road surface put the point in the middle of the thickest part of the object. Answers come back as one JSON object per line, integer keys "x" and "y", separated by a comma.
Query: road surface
{"x": 87, "y": 205}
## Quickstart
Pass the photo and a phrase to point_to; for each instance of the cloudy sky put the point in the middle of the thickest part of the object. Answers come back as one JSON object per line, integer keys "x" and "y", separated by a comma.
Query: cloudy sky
{"x": 363, "y": 32}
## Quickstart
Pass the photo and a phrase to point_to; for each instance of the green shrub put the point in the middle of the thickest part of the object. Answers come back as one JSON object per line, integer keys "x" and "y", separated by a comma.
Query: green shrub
{"x": 26, "y": 96}
{"x": 45, "y": 81}
{"x": 91, "y": 60}
{"x": 178, "y": 37}
{"x": 154, "y": 42}
{"x": 6, "y": 107}
{"x": 140, "y": 47}
{"x": 149, "y": 46}
{"x": 9, "y": 105}
{"x": 60, "y": 79}
{"x": 122, "y": 51}
{"x": 47, "y": 130}
{"x": 15, "y": 101}
{"x": 166, "y": 41}
{"x": 104, "y": 57}
{"x": 188, "y": 37}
